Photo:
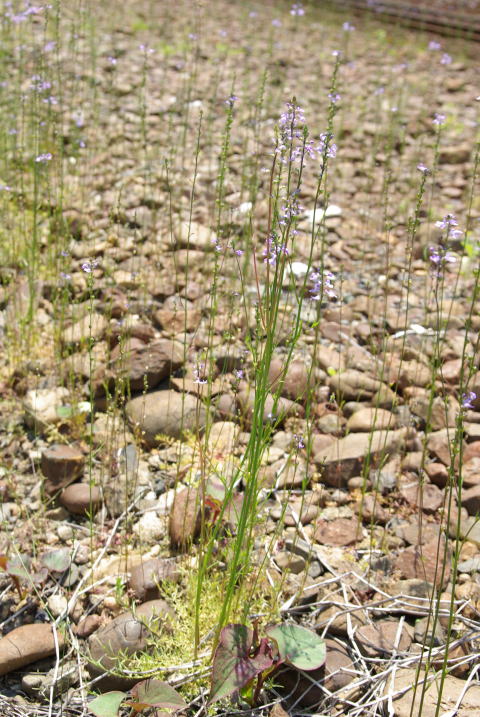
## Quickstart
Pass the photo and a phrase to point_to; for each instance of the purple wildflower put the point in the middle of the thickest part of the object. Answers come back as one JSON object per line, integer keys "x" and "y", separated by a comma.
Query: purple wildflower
{"x": 276, "y": 22}
{"x": 449, "y": 222}
{"x": 298, "y": 441}
{"x": 326, "y": 146}
{"x": 334, "y": 97}
{"x": 438, "y": 119}
{"x": 89, "y": 266}
{"x": 238, "y": 373}
{"x": 348, "y": 27}
{"x": 322, "y": 285}
{"x": 432, "y": 45}
{"x": 231, "y": 100}
{"x": 422, "y": 168}
{"x": 445, "y": 59}
{"x": 199, "y": 375}
{"x": 42, "y": 158}
{"x": 297, "y": 9}
{"x": 273, "y": 250}
{"x": 468, "y": 398}
{"x": 439, "y": 257}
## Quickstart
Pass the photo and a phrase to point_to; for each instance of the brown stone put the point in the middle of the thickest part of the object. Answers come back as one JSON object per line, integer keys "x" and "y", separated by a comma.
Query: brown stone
{"x": 302, "y": 690}
{"x": 427, "y": 496}
{"x": 144, "y": 366}
{"x": 295, "y": 381}
{"x": 27, "y": 644}
{"x": 146, "y": 578}
{"x": 425, "y": 562}
{"x": 371, "y": 419}
{"x": 81, "y": 499}
{"x": 165, "y": 413}
{"x": 438, "y": 474}
{"x": 344, "y": 458}
{"x": 380, "y": 638}
{"x": 424, "y": 700}
{"x": 471, "y": 499}
{"x": 185, "y": 517}
{"x": 61, "y": 465}
{"x": 276, "y": 414}
{"x": 87, "y": 626}
{"x": 341, "y": 531}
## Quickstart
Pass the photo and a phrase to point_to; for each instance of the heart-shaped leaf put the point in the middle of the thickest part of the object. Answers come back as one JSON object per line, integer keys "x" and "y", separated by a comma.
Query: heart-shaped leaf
{"x": 19, "y": 566}
{"x": 155, "y": 693}
{"x": 107, "y": 705}
{"x": 236, "y": 663}
{"x": 298, "y": 646}
{"x": 57, "y": 561}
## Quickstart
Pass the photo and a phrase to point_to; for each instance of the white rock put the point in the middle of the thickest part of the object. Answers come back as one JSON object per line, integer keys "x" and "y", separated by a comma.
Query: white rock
{"x": 41, "y": 406}
{"x": 150, "y": 527}
{"x": 57, "y": 605}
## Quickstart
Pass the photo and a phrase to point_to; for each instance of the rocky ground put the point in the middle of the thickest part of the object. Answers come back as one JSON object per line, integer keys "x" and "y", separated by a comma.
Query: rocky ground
{"x": 360, "y": 514}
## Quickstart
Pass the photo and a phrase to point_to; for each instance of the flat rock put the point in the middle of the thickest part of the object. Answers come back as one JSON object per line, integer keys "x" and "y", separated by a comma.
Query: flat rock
{"x": 39, "y": 686}
{"x": 166, "y": 413}
{"x": 354, "y": 385}
{"x": 341, "y": 531}
{"x": 371, "y": 419}
{"x": 27, "y": 644}
{"x": 81, "y": 499}
{"x": 426, "y": 496}
{"x": 408, "y": 701}
{"x": 471, "y": 499}
{"x": 384, "y": 638}
{"x": 344, "y": 458}
{"x": 425, "y": 562}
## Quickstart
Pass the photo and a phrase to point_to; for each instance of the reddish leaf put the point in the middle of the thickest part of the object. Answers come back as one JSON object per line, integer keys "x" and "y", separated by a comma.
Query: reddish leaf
{"x": 236, "y": 662}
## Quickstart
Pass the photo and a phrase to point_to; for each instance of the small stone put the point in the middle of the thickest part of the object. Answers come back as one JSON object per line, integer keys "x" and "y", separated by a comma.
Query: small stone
{"x": 344, "y": 458}
{"x": 81, "y": 499}
{"x": 184, "y": 524}
{"x": 39, "y": 686}
{"x": 61, "y": 465}
{"x": 27, "y": 644}
{"x": 88, "y": 625}
{"x": 425, "y": 496}
{"x": 57, "y": 605}
{"x": 289, "y": 561}
{"x": 413, "y": 697}
{"x": 425, "y": 635}
{"x": 146, "y": 578}
{"x": 150, "y": 527}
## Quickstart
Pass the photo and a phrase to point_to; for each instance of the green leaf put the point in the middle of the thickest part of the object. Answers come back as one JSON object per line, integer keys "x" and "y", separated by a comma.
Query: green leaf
{"x": 236, "y": 662}
{"x": 57, "y": 561}
{"x": 155, "y": 693}
{"x": 298, "y": 646}
{"x": 107, "y": 705}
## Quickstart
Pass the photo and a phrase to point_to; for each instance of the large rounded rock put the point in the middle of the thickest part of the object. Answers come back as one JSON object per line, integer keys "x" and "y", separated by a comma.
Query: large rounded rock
{"x": 126, "y": 635}
{"x": 185, "y": 517}
{"x": 165, "y": 413}
{"x": 27, "y": 644}
{"x": 143, "y": 366}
